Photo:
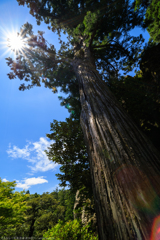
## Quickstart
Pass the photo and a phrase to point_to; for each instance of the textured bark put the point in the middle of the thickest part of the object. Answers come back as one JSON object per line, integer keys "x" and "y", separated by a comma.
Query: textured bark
{"x": 124, "y": 165}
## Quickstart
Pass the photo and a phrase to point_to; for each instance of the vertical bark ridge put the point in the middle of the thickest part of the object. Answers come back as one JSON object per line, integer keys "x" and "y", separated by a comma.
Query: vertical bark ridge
{"x": 121, "y": 129}
{"x": 124, "y": 165}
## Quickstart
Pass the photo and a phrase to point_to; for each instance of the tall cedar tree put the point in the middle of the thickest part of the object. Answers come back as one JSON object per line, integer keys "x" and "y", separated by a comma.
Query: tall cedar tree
{"x": 124, "y": 164}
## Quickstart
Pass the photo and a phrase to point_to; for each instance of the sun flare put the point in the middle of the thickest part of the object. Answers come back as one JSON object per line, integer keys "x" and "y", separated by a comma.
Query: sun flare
{"x": 15, "y": 42}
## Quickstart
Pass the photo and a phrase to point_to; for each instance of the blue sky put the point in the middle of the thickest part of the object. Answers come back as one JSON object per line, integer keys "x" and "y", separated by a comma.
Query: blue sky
{"x": 26, "y": 116}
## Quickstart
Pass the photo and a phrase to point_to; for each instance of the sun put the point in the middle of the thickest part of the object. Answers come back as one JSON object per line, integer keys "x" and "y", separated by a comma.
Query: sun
{"x": 15, "y": 42}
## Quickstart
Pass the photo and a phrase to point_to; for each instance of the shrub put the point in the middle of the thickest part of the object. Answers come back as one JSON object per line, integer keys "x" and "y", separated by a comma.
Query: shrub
{"x": 73, "y": 230}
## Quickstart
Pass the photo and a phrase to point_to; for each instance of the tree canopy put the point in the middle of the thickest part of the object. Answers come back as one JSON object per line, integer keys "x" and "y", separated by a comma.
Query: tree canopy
{"x": 71, "y": 230}
{"x": 69, "y": 150}
{"x": 43, "y": 213}
{"x": 31, "y": 215}
{"x": 12, "y": 208}
{"x": 152, "y": 17}
{"x": 81, "y": 19}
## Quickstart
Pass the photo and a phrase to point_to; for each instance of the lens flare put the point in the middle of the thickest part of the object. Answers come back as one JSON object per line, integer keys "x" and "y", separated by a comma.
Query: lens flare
{"x": 15, "y": 41}
{"x": 156, "y": 229}
{"x": 141, "y": 193}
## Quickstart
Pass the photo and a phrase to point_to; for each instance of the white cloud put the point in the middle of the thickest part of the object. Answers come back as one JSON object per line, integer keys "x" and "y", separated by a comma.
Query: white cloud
{"x": 16, "y": 152}
{"x": 4, "y": 180}
{"x": 34, "y": 154}
{"x": 28, "y": 182}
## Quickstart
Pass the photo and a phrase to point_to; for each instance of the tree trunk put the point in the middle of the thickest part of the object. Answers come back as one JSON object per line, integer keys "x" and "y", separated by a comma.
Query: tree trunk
{"x": 31, "y": 229}
{"x": 124, "y": 164}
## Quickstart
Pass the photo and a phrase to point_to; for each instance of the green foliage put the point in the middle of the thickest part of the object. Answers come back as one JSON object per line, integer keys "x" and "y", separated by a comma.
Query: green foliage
{"x": 152, "y": 17}
{"x": 65, "y": 198}
{"x": 70, "y": 230}
{"x": 43, "y": 213}
{"x": 141, "y": 3}
{"x": 32, "y": 215}
{"x": 69, "y": 150}
{"x": 85, "y": 23}
{"x": 69, "y": 204}
{"x": 12, "y": 208}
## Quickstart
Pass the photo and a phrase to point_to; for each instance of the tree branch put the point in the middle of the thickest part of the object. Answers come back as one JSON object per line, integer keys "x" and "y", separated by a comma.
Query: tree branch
{"x": 118, "y": 46}
{"x": 53, "y": 54}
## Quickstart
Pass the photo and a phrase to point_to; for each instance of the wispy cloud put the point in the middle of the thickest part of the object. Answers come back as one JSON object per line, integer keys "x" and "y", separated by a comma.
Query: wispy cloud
{"x": 4, "y": 180}
{"x": 34, "y": 153}
{"x": 16, "y": 152}
{"x": 28, "y": 182}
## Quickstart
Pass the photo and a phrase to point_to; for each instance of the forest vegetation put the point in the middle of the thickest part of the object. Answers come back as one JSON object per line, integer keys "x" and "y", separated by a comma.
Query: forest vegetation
{"x": 33, "y": 215}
